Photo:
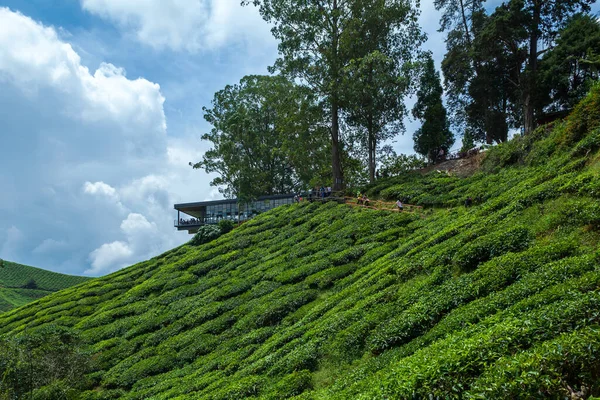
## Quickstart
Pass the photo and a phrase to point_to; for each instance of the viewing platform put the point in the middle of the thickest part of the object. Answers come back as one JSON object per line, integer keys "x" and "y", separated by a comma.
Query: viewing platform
{"x": 211, "y": 212}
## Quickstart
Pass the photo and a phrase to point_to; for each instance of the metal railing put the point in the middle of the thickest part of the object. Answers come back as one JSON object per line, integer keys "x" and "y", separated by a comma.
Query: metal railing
{"x": 212, "y": 220}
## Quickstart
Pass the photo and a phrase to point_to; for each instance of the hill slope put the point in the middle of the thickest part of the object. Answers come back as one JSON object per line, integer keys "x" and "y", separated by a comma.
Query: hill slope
{"x": 500, "y": 300}
{"x": 21, "y": 284}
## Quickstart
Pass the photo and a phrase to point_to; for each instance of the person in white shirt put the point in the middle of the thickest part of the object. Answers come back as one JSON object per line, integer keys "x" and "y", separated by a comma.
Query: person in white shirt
{"x": 399, "y": 205}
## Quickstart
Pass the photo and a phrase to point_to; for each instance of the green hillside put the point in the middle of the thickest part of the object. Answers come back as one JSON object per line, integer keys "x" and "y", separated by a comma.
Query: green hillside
{"x": 499, "y": 300}
{"x": 21, "y": 284}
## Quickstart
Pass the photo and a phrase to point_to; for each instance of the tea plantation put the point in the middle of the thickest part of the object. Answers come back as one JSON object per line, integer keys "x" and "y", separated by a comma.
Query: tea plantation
{"x": 21, "y": 284}
{"x": 497, "y": 300}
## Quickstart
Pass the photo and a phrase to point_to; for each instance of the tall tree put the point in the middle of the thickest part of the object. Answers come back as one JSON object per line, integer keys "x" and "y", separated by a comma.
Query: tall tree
{"x": 379, "y": 74}
{"x": 374, "y": 97}
{"x": 267, "y": 136}
{"x": 462, "y": 19}
{"x": 434, "y": 135}
{"x": 567, "y": 70}
{"x": 315, "y": 41}
{"x": 491, "y": 108}
{"x": 492, "y": 65}
{"x": 543, "y": 20}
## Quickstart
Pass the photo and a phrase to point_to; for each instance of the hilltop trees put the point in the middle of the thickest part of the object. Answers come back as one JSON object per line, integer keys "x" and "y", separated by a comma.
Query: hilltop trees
{"x": 462, "y": 20}
{"x": 379, "y": 74}
{"x": 434, "y": 135}
{"x": 319, "y": 39}
{"x": 494, "y": 71}
{"x": 346, "y": 66}
{"x": 541, "y": 20}
{"x": 569, "y": 69}
{"x": 267, "y": 137}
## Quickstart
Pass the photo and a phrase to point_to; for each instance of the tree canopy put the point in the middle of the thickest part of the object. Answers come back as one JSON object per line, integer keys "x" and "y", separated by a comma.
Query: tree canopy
{"x": 345, "y": 68}
{"x": 267, "y": 137}
{"x": 319, "y": 39}
{"x": 434, "y": 136}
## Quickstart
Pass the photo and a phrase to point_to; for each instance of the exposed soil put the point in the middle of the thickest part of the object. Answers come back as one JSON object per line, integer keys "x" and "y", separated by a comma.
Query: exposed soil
{"x": 462, "y": 167}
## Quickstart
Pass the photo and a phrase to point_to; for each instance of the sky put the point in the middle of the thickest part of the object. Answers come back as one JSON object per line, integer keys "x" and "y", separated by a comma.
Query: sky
{"x": 101, "y": 112}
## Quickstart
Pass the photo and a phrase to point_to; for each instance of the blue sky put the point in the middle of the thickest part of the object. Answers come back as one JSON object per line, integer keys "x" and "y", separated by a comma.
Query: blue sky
{"x": 101, "y": 109}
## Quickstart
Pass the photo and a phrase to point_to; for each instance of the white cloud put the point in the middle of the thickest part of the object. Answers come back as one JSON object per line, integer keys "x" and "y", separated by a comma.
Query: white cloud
{"x": 190, "y": 25}
{"x": 91, "y": 164}
{"x": 109, "y": 257}
{"x": 143, "y": 240}
{"x": 100, "y": 188}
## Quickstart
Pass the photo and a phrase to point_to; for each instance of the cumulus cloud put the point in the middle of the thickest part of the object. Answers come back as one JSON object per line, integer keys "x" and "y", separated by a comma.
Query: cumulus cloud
{"x": 189, "y": 25}
{"x": 100, "y": 188}
{"x": 93, "y": 177}
{"x": 109, "y": 257}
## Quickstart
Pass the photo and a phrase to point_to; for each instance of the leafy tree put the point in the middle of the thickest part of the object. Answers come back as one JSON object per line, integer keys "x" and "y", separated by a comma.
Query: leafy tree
{"x": 492, "y": 65}
{"x": 567, "y": 70}
{"x": 492, "y": 105}
{"x": 379, "y": 73}
{"x": 318, "y": 40}
{"x": 462, "y": 19}
{"x": 49, "y": 359}
{"x": 542, "y": 20}
{"x": 434, "y": 135}
{"x": 267, "y": 137}
{"x": 393, "y": 164}
{"x": 31, "y": 284}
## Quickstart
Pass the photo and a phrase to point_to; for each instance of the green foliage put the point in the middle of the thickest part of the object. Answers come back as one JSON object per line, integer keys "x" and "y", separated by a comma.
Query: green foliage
{"x": 226, "y": 226}
{"x": 394, "y": 165}
{"x": 266, "y": 135}
{"x": 494, "y": 70}
{"x": 489, "y": 246}
{"x": 434, "y": 135}
{"x": 567, "y": 71}
{"x": 46, "y": 363}
{"x": 30, "y": 284}
{"x": 205, "y": 234}
{"x": 317, "y": 41}
{"x": 326, "y": 301}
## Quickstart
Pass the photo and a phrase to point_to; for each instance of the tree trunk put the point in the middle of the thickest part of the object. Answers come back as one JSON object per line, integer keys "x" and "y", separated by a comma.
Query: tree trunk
{"x": 372, "y": 146}
{"x": 465, "y": 24}
{"x": 336, "y": 160}
{"x": 528, "y": 106}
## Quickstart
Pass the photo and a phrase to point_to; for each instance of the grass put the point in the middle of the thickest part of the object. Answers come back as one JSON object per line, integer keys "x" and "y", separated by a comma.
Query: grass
{"x": 308, "y": 301}
{"x": 14, "y": 279}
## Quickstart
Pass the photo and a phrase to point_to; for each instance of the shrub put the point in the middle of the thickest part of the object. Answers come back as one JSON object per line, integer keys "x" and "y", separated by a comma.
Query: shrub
{"x": 226, "y": 226}
{"x": 205, "y": 234}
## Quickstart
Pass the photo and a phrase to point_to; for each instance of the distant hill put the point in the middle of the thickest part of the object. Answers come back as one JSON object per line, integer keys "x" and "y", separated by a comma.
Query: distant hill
{"x": 498, "y": 298}
{"x": 22, "y": 284}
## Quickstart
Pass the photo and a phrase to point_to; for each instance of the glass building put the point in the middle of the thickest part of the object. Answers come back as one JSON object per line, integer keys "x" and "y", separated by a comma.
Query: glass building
{"x": 191, "y": 216}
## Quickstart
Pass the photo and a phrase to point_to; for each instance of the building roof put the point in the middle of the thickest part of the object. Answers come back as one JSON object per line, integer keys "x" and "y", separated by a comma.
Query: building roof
{"x": 194, "y": 206}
